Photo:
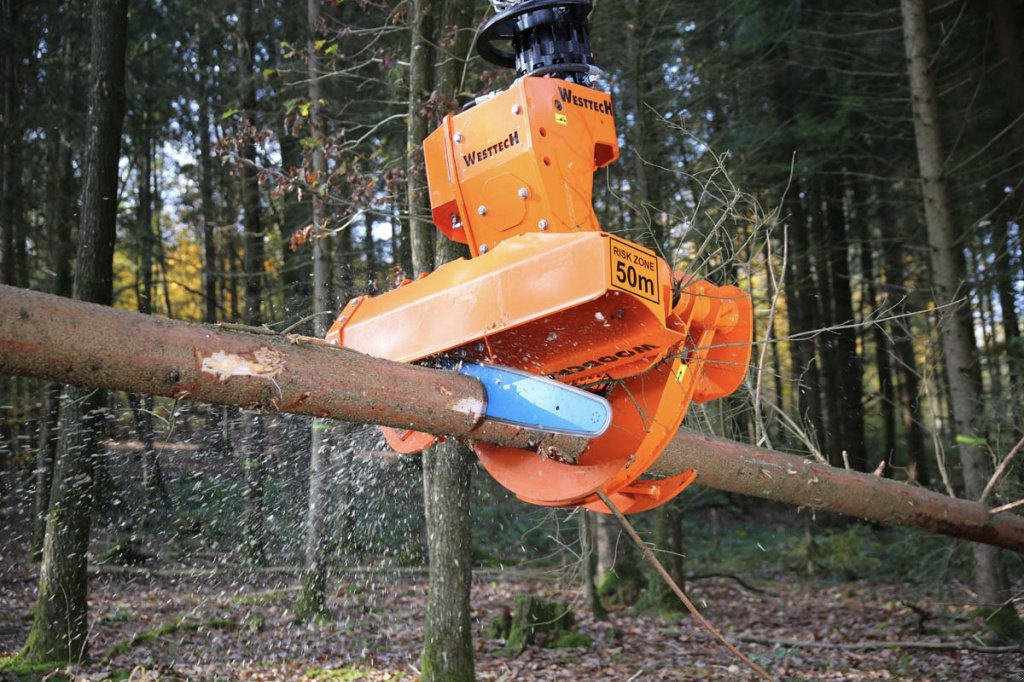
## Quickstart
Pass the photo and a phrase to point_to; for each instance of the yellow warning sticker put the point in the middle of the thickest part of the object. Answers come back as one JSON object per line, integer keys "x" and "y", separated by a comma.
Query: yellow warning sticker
{"x": 680, "y": 373}
{"x": 561, "y": 118}
{"x": 634, "y": 269}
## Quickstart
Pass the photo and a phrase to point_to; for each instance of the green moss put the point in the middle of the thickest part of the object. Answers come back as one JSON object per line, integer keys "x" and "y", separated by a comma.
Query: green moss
{"x": 533, "y": 616}
{"x": 569, "y": 640}
{"x": 311, "y": 606}
{"x": 500, "y": 626}
{"x": 18, "y": 669}
{"x": 623, "y": 585}
{"x": 1004, "y": 625}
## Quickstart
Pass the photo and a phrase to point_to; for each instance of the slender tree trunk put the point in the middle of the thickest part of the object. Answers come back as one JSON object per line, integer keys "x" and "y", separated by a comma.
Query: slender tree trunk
{"x": 206, "y": 209}
{"x": 253, "y": 444}
{"x": 447, "y": 631}
{"x": 447, "y": 467}
{"x": 949, "y": 272}
{"x": 60, "y": 624}
{"x": 800, "y": 309}
{"x": 850, "y": 372}
{"x": 59, "y": 255}
{"x": 588, "y": 555}
{"x": 312, "y": 602}
{"x": 421, "y": 65}
{"x": 10, "y": 163}
{"x": 905, "y": 360}
{"x": 883, "y": 354}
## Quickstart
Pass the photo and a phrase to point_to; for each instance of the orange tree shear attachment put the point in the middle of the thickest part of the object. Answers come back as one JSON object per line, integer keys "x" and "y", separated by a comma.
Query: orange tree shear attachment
{"x": 548, "y": 292}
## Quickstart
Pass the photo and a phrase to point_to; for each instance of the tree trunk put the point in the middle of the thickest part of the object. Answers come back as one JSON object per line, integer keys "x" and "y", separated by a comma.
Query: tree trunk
{"x": 883, "y": 354}
{"x": 59, "y": 255}
{"x": 421, "y": 65}
{"x": 60, "y": 624}
{"x": 252, "y": 446}
{"x": 10, "y": 170}
{"x": 906, "y": 360}
{"x": 799, "y": 284}
{"x": 447, "y": 631}
{"x": 949, "y": 273}
{"x": 447, "y": 467}
{"x": 588, "y": 556}
{"x": 312, "y": 601}
{"x": 206, "y": 208}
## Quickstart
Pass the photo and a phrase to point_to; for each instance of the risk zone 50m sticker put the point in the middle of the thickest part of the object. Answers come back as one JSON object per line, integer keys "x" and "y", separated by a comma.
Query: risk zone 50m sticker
{"x": 634, "y": 269}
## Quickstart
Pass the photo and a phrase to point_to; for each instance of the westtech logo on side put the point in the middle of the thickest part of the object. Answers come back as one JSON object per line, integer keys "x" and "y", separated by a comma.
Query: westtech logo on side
{"x": 487, "y": 152}
{"x": 603, "y": 106}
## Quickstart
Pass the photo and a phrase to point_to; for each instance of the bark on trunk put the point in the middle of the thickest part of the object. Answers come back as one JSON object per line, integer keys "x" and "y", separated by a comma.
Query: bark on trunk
{"x": 949, "y": 272}
{"x": 60, "y": 623}
{"x": 421, "y": 64}
{"x": 312, "y": 602}
{"x": 906, "y": 362}
{"x": 447, "y": 467}
{"x": 447, "y": 631}
{"x": 206, "y": 212}
{"x": 252, "y": 445}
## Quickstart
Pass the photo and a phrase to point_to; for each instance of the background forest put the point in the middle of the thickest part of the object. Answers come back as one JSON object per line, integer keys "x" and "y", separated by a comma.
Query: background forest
{"x": 266, "y": 171}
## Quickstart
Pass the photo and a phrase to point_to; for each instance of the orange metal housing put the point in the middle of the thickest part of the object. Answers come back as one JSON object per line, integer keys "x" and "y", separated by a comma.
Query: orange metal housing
{"x": 548, "y": 292}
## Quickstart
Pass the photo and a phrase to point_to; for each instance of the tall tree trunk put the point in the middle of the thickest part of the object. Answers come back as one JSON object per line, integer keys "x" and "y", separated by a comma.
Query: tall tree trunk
{"x": 206, "y": 208}
{"x": 906, "y": 359}
{"x": 59, "y": 254}
{"x": 800, "y": 311}
{"x": 312, "y": 602}
{"x": 447, "y": 467}
{"x": 847, "y": 360}
{"x": 421, "y": 65}
{"x": 60, "y": 624}
{"x": 883, "y": 354}
{"x": 253, "y": 444}
{"x": 10, "y": 162}
{"x": 1008, "y": 23}
{"x": 447, "y": 631}
{"x": 588, "y": 556}
{"x": 949, "y": 273}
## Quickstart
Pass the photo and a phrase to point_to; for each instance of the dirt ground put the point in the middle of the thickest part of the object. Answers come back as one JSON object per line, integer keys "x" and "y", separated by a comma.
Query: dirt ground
{"x": 214, "y": 625}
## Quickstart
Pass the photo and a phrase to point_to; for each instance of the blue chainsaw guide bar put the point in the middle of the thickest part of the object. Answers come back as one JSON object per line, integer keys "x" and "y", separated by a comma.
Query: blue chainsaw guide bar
{"x": 536, "y": 402}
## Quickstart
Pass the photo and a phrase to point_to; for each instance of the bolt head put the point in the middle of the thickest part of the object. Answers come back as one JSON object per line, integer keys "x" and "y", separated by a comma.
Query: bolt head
{"x": 482, "y": 210}
{"x": 516, "y": 108}
{"x": 483, "y": 248}
{"x": 458, "y": 137}
{"x": 524, "y": 193}
{"x": 542, "y": 224}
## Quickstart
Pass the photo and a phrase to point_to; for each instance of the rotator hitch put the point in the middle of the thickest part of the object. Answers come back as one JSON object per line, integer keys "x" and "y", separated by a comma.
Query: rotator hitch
{"x": 571, "y": 329}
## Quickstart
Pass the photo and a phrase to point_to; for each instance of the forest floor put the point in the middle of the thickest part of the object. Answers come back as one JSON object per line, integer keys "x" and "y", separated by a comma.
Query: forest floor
{"x": 189, "y": 623}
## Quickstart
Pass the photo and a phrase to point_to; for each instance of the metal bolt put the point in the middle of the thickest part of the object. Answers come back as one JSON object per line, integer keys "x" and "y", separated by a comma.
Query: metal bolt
{"x": 552, "y": 336}
{"x": 483, "y": 248}
{"x": 516, "y": 108}
{"x": 543, "y": 224}
{"x": 482, "y": 210}
{"x": 524, "y": 193}
{"x": 458, "y": 137}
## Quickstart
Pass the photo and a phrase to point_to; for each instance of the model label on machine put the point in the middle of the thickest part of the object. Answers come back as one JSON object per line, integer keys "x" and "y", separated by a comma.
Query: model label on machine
{"x": 634, "y": 269}
{"x": 488, "y": 152}
{"x": 601, "y": 106}
{"x": 603, "y": 360}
